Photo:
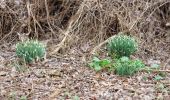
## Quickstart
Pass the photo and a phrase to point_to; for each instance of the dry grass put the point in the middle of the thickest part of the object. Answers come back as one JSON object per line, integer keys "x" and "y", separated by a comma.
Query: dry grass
{"x": 81, "y": 21}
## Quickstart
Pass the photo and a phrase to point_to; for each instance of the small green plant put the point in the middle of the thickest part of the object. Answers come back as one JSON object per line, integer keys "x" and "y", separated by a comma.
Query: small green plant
{"x": 125, "y": 66}
{"x": 155, "y": 66}
{"x": 145, "y": 78}
{"x": 23, "y": 98}
{"x": 98, "y": 64}
{"x": 122, "y": 45}
{"x": 120, "y": 48}
{"x": 76, "y": 98}
{"x": 158, "y": 77}
{"x": 12, "y": 96}
{"x": 70, "y": 96}
{"x": 30, "y": 50}
{"x": 19, "y": 66}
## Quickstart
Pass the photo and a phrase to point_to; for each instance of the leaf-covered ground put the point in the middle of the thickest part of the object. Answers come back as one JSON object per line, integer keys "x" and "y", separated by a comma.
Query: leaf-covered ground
{"x": 67, "y": 77}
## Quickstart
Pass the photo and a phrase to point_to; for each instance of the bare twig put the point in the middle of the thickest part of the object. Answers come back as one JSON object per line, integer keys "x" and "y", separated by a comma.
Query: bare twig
{"x": 72, "y": 22}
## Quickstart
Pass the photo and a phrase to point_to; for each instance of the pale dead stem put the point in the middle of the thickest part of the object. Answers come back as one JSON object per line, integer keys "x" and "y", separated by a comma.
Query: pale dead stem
{"x": 71, "y": 26}
{"x": 132, "y": 26}
{"x": 12, "y": 30}
{"x": 72, "y": 22}
{"x": 30, "y": 14}
{"x": 48, "y": 22}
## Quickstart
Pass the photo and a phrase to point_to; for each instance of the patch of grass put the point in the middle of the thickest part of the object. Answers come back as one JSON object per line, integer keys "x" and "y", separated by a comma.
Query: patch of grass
{"x": 125, "y": 66}
{"x": 122, "y": 45}
{"x": 30, "y": 50}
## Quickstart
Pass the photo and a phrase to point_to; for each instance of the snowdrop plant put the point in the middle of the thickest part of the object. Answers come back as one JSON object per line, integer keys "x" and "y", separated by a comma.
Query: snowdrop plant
{"x": 125, "y": 67}
{"x": 30, "y": 50}
{"x": 122, "y": 45}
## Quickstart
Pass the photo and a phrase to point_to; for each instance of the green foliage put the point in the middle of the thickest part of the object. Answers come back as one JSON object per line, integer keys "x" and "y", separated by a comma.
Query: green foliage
{"x": 70, "y": 96}
{"x": 98, "y": 64}
{"x": 155, "y": 66}
{"x": 145, "y": 78}
{"x": 76, "y": 98}
{"x": 30, "y": 50}
{"x": 158, "y": 77}
{"x": 122, "y": 45}
{"x": 23, "y": 98}
{"x": 125, "y": 66}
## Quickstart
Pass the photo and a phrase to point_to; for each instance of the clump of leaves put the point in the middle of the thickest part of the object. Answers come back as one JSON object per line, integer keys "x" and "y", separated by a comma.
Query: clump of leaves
{"x": 98, "y": 64}
{"x": 125, "y": 66}
{"x": 160, "y": 75}
{"x": 30, "y": 50}
{"x": 76, "y": 98}
{"x": 155, "y": 66}
{"x": 23, "y": 98}
{"x": 122, "y": 45}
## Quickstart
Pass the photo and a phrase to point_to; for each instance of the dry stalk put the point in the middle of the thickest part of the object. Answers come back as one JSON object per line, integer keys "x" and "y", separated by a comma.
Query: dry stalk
{"x": 145, "y": 19}
{"x": 35, "y": 21}
{"x": 7, "y": 35}
{"x": 71, "y": 24}
{"x": 47, "y": 11}
{"x": 134, "y": 21}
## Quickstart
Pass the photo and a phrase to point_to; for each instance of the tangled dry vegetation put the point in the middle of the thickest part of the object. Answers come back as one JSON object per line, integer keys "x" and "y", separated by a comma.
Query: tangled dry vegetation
{"x": 80, "y": 21}
{"x": 84, "y": 25}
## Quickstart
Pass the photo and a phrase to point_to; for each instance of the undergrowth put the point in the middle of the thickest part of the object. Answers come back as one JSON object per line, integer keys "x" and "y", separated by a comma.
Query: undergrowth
{"x": 119, "y": 48}
{"x": 30, "y": 50}
{"x": 126, "y": 66}
{"x": 123, "y": 66}
{"x": 122, "y": 45}
{"x": 98, "y": 64}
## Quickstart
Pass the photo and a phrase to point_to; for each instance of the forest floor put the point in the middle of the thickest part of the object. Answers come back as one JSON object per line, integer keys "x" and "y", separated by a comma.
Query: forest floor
{"x": 67, "y": 77}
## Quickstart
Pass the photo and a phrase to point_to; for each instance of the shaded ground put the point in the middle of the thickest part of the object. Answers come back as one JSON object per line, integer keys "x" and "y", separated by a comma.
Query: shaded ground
{"x": 67, "y": 77}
